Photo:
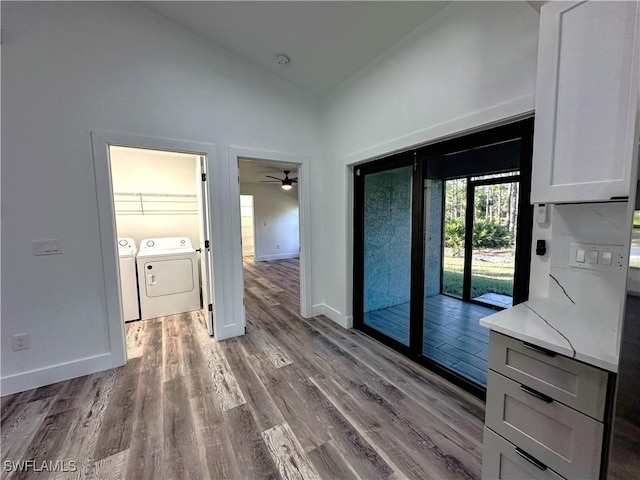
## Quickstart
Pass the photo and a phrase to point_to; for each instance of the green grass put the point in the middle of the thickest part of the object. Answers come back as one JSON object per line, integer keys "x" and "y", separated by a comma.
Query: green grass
{"x": 486, "y": 277}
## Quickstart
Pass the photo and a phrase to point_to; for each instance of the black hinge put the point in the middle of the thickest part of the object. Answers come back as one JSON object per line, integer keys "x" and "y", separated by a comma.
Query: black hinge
{"x": 206, "y": 244}
{"x": 211, "y": 307}
{"x": 204, "y": 177}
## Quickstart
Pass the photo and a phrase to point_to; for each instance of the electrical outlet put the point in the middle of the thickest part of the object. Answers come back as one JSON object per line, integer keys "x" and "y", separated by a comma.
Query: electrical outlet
{"x": 277, "y": 247}
{"x": 20, "y": 341}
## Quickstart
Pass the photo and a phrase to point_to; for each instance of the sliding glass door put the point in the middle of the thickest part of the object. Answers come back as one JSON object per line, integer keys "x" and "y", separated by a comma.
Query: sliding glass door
{"x": 385, "y": 230}
{"x": 442, "y": 237}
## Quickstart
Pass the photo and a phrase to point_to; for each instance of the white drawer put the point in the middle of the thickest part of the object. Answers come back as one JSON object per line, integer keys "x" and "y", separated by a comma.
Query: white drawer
{"x": 563, "y": 439}
{"x": 568, "y": 381}
{"x": 501, "y": 460}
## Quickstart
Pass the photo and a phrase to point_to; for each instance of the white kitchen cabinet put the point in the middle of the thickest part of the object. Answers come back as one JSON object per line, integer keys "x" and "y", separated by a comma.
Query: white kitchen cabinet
{"x": 563, "y": 439}
{"x": 575, "y": 384}
{"x": 544, "y": 414}
{"x": 586, "y": 101}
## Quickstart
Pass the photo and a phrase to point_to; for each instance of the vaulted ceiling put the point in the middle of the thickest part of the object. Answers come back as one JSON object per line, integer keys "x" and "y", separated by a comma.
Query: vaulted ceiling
{"x": 326, "y": 41}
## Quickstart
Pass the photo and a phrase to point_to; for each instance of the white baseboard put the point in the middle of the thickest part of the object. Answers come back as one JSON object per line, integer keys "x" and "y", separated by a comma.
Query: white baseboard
{"x": 332, "y": 314}
{"x": 317, "y": 310}
{"x": 280, "y": 256}
{"x": 57, "y": 373}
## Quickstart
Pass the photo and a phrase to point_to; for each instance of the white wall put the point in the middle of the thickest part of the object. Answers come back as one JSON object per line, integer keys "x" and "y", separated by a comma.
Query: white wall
{"x": 72, "y": 68}
{"x": 473, "y": 63}
{"x": 276, "y": 221}
{"x": 146, "y": 171}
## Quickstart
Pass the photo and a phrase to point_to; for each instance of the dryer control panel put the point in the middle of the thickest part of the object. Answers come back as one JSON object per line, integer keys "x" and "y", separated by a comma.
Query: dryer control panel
{"x": 165, "y": 243}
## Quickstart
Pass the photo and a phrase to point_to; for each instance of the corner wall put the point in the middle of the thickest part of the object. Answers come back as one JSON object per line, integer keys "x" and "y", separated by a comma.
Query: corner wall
{"x": 472, "y": 64}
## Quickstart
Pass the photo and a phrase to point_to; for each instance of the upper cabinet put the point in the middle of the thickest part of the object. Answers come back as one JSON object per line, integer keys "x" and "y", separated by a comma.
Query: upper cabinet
{"x": 586, "y": 101}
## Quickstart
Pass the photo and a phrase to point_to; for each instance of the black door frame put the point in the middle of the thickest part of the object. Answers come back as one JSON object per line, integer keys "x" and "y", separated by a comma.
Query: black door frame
{"x": 420, "y": 158}
{"x": 400, "y": 160}
{"x": 468, "y": 238}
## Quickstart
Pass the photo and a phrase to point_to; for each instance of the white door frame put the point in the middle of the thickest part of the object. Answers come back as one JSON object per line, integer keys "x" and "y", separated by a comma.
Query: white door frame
{"x": 101, "y": 141}
{"x": 304, "y": 205}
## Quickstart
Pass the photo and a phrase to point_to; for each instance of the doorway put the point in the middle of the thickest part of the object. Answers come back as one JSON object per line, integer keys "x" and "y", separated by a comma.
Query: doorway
{"x": 160, "y": 202}
{"x": 442, "y": 238}
{"x": 269, "y": 210}
{"x": 480, "y": 230}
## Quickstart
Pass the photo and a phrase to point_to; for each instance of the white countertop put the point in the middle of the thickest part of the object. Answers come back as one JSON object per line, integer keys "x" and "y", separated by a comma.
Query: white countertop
{"x": 567, "y": 329}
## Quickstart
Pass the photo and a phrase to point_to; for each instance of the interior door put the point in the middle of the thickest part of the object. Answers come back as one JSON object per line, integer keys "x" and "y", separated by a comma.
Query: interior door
{"x": 206, "y": 264}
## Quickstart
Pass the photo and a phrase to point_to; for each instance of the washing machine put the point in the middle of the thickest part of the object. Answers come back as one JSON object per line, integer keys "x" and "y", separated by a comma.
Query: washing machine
{"x": 128, "y": 279}
{"x": 169, "y": 280}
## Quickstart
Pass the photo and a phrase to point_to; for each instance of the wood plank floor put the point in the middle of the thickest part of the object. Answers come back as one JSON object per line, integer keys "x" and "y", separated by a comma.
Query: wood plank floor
{"x": 452, "y": 335}
{"x": 292, "y": 399}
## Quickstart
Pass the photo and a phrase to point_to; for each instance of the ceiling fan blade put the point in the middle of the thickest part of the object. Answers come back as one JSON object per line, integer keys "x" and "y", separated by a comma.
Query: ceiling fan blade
{"x": 270, "y": 181}
{"x": 276, "y": 178}
{"x": 294, "y": 179}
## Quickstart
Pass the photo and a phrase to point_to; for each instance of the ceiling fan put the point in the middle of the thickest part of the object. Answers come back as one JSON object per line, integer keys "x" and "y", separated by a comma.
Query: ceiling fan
{"x": 286, "y": 182}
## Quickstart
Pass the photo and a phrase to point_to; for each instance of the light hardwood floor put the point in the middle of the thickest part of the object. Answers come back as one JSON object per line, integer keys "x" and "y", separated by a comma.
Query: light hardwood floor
{"x": 293, "y": 399}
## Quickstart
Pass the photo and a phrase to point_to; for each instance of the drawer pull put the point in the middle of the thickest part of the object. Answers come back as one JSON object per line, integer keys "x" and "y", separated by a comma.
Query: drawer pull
{"x": 530, "y": 459}
{"x": 538, "y": 349}
{"x": 536, "y": 394}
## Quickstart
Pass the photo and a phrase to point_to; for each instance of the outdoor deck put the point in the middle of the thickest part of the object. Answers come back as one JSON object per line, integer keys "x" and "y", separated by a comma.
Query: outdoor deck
{"x": 452, "y": 335}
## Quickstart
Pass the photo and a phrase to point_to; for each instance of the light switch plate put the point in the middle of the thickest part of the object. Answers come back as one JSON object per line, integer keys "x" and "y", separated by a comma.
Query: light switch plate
{"x": 46, "y": 247}
{"x": 588, "y": 256}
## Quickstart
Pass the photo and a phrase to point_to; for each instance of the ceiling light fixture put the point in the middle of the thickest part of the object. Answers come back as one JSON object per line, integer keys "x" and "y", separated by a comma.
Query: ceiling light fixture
{"x": 286, "y": 183}
{"x": 282, "y": 60}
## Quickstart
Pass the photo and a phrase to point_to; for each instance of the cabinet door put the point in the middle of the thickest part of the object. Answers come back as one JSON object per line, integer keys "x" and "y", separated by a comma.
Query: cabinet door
{"x": 573, "y": 383}
{"x": 501, "y": 460}
{"x": 568, "y": 442}
{"x": 586, "y": 101}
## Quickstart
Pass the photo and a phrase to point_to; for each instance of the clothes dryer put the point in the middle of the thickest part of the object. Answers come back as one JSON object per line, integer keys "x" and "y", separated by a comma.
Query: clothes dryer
{"x": 169, "y": 278}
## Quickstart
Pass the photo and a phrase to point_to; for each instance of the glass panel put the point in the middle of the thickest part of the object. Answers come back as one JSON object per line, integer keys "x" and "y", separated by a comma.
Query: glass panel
{"x": 455, "y": 208}
{"x": 387, "y": 252}
{"x": 494, "y": 234}
{"x": 452, "y": 335}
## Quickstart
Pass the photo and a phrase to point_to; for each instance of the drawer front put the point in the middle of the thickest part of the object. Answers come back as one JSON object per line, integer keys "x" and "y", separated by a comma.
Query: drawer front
{"x": 575, "y": 384}
{"x": 501, "y": 461}
{"x": 563, "y": 439}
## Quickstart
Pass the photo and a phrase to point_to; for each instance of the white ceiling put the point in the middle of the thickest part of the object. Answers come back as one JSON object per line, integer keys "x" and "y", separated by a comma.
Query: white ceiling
{"x": 254, "y": 171}
{"x": 326, "y": 41}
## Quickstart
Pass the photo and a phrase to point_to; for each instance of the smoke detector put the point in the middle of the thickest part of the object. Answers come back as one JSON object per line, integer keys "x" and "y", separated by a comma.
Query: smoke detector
{"x": 282, "y": 60}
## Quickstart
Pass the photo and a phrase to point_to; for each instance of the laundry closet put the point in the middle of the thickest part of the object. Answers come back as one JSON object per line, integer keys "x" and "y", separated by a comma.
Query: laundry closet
{"x": 160, "y": 223}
